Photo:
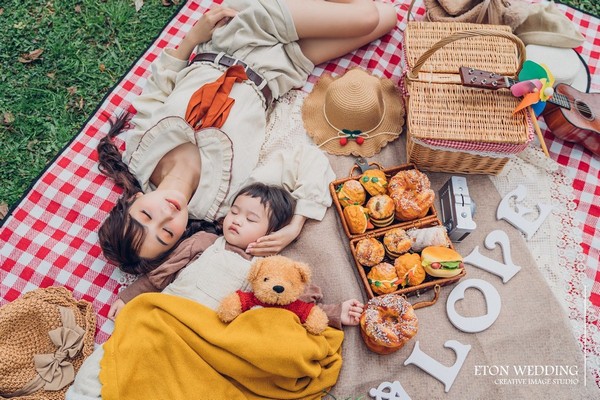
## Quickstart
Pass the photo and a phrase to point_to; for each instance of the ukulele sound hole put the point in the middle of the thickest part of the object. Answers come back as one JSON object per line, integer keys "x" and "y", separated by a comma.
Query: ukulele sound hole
{"x": 584, "y": 110}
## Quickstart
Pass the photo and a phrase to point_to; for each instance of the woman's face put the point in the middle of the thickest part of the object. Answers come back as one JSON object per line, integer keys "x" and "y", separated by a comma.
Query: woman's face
{"x": 164, "y": 215}
{"x": 246, "y": 221}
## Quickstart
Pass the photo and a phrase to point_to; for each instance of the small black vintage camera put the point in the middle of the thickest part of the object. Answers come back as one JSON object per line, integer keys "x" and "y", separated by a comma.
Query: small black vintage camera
{"x": 457, "y": 208}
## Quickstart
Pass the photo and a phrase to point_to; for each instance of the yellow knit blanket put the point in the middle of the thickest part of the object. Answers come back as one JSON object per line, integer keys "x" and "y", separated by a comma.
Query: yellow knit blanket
{"x": 168, "y": 347}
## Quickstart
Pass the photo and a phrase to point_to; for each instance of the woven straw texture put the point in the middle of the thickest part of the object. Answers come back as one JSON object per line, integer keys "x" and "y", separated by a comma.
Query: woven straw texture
{"x": 24, "y": 327}
{"x": 453, "y": 161}
{"x": 452, "y": 128}
{"x": 463, "y": 114}
{"x": 485, "y": 53}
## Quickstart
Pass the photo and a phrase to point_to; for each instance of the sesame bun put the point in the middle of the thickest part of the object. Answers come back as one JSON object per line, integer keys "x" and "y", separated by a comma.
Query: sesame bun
{"x": 439, "y": 254}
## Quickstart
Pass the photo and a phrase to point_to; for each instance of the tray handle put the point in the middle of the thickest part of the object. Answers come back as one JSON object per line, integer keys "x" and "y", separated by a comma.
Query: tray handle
{"x": 363, "y": 165}
{"x": 436, "y": 296}
{"x": 414, "y": 73}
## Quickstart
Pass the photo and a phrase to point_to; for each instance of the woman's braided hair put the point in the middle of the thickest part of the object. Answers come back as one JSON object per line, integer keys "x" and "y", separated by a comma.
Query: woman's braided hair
{"x": 121, "y": 236}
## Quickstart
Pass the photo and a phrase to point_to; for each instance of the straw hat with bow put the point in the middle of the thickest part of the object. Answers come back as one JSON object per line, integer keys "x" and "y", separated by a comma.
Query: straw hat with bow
{"x": 44, "y": 337}
{"x": 356, "y": 113}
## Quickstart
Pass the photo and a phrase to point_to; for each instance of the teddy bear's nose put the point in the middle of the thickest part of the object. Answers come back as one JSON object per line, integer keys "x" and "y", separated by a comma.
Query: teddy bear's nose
{"x": 278, "y": 288}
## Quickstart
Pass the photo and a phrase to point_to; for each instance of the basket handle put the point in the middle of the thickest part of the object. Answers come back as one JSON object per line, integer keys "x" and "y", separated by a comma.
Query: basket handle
{"x": 361, "y": 164}
{"x": 436, "y": 296}
{"x": 414, "y": 73}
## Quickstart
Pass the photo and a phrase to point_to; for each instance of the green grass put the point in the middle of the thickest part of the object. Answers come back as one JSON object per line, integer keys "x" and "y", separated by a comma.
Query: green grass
{"x": 87, "y": 46}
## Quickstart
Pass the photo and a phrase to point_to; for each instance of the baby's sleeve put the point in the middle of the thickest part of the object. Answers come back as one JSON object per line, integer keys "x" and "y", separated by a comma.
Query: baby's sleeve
{"x": 313, "y": 294}
{"x": 305, "y": 172}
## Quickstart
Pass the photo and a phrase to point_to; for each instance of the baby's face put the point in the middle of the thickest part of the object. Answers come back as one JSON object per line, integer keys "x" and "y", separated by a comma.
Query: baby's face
{"x": 246, "y": 221}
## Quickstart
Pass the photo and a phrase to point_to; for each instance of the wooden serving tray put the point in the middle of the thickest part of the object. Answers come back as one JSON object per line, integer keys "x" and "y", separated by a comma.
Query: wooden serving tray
{"x": 390, "y": 172}
{"x": 429, "y": 283}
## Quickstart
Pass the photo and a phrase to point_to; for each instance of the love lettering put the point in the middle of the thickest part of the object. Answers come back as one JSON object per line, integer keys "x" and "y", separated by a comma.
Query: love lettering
{"x": 506, "y": 270}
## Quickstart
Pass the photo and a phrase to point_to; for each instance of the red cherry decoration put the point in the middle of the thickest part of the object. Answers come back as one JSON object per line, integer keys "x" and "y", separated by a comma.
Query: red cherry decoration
{"x": 343, "y": 141}
{"x": 360, "y": 140}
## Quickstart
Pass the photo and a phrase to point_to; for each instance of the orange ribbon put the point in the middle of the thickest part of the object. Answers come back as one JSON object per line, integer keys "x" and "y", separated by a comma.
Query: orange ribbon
{"x": 210, "y": 105}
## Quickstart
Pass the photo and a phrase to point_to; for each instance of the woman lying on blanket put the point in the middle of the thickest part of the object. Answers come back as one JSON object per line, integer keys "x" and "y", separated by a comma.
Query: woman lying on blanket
{"x": 200, "y": 125}
{"x": 216, "y": 266}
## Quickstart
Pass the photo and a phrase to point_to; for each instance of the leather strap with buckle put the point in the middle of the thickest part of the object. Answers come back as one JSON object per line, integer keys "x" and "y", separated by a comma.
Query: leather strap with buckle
{"x": 227, "y": 61}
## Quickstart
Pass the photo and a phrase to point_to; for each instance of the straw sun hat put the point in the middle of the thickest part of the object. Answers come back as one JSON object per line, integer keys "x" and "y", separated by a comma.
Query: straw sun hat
{"x": 356, "y": 113}
{"x": 44, "y": 337}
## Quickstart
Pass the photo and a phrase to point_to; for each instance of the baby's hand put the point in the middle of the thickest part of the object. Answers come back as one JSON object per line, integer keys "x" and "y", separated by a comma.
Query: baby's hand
{"x": 115, "y": 308}
{"x": 351, "y": 311}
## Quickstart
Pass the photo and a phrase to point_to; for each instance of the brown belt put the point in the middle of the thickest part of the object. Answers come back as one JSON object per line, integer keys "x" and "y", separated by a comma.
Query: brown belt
{"x": 228, "y": 62}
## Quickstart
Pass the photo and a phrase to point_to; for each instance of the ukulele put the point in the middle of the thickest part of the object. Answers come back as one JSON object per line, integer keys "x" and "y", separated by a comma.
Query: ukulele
{"x": 570, "y": 114}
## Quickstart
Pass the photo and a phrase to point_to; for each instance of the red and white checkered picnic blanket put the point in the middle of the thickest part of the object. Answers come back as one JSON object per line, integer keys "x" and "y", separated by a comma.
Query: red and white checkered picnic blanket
{"x": 50, "y": 237}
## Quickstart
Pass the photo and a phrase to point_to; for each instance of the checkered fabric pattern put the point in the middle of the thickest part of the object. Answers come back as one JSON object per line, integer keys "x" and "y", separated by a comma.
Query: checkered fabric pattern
{"x": 50, "y": 237}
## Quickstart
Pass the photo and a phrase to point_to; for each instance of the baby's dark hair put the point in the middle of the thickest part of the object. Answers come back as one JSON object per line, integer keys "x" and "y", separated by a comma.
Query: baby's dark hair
{"x": 279, "y": 203}
{"x": 121, "y": 236}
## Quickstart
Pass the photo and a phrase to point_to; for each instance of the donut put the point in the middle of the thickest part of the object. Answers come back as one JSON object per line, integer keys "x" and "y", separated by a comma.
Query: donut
{"x": 374, "y": 181}
{"x": 396, "y": 242}
{"x": 409, "y": 269}
{"x": 383, "y": 278}
{"x": 351, "y": 193}
{"x": 412, "y": 194}
{"x": 387, "y": 323}
{"x": 381, "y": 210}
{"x": 370, "y": 252}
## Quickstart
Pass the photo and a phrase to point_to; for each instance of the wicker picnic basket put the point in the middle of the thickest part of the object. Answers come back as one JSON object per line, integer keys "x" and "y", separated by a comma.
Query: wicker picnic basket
{"x": 451, "y": 127}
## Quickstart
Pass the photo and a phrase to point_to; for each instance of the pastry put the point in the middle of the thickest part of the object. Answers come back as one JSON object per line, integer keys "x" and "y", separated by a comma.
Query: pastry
{"x": 388, "y": 323}
{"x": 351, "y": 193}
{"x": 383, "y": 278}
{"x": 369, "y": 252}
{"x": 396, "y": 242}
{"x": 374, "y": 181}
{"x": 356, "y": 218}
{"x": 441, "y": 262}
{"x": 412, "y": 194}
{"x": 381, "y": 210}
{"x": 424, "y": 237}
{"x": 409, "y": 269}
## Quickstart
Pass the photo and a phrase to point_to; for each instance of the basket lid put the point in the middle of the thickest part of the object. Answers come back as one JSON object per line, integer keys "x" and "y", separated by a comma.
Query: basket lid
{"x": 487, "y": 52}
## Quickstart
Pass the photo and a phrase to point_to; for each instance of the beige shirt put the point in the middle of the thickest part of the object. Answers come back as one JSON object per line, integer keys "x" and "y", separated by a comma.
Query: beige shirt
{"x": 266, "y": 37}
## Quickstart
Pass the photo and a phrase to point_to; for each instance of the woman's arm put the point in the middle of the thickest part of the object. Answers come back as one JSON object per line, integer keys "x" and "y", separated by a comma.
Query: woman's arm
{"x": 165, "y": 69}
{"x": 202, "y": 30}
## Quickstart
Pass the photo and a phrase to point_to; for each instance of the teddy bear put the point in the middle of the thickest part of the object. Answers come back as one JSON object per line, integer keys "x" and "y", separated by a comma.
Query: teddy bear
{"x": 276, "y": 281}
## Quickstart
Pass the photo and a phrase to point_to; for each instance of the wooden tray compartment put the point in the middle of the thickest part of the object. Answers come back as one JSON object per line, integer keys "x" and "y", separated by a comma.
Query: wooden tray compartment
{"x": 429, "y": 283}
{"x": 389, "y": 173}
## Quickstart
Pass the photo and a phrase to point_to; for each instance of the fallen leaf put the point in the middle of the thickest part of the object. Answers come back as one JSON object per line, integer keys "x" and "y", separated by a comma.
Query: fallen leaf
{"x": 1, "y": 11}
{"x": 78, "y": 9}
{"x": 168, "y": 3}
{"x": 72, "y": 90}
{"x": 3, "y": 208}
{"x": 102, "y": 67}
{"x": 51, "y": 75}
{"x": 138, "y": 4}
{"x": 8, "y": 118}
{"x": 27, "y": 58}
{"x": 32, "y": 144}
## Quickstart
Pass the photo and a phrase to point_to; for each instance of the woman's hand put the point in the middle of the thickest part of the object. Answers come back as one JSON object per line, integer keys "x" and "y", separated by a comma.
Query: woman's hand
{"x": 203, "y": 29}
{"x": 115, "y": 308}
{"x": 274, "y": 242}
{"x": 351, "y": 311}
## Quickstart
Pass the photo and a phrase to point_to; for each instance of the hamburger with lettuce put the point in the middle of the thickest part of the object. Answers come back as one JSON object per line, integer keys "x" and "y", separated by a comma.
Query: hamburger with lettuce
{"x": 441, "y": 262}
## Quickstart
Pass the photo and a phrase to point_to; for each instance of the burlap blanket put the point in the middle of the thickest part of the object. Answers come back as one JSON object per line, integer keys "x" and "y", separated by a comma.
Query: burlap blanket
{"x": 190, "y": 354}
{"x": 531, "y": 330}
